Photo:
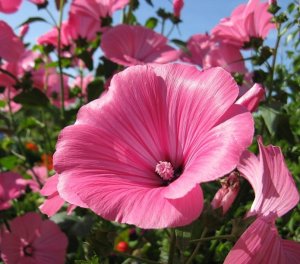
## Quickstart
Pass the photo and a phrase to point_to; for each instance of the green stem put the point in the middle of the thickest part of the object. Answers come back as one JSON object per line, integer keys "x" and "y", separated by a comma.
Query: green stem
{"x": 228, "y": 237}
{"x": 172, "y": 246}
{"x": 197, "y": 247}
{"x": 274, "y": 62}
{"x": 62, "y": 94}
{"x": 136, "y": 258}
{"x": 51, "y": 17}
{"x": 163, "y": 26}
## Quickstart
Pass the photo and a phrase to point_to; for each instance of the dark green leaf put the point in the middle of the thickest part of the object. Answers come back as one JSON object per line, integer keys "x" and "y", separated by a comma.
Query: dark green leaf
{"x": 95, "y": 88}
{"x": 32, "y": 20}
{"x": 271, "y": 118}
{"x": 9, "y": 162}
{"x": 86, "y": 57}
{"x": 33, "y": 97}
{"x": 149, "y": 2}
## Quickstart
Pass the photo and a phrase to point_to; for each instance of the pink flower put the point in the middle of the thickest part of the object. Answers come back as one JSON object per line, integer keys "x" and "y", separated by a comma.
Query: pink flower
{"x": 54, "y": 202}
{"x": 177, "y": 6}
{"x": 132, "y": 45}
{"x": 32, "y": 240}
{"x": 9, "y": 6}
{"x": 227, "y": 194}
{"x": 11, "y": 47}
{"x": 23, "y": 30}
{"x": 38, "y": 2}
{"x": 251, "y": 20}
{"x": 10, "y": 188}
{"x": 137, "y": 154}
{"x": 275, "y": 194}
{"x": 207, "y": 53}
{"x": 252, "y": 97}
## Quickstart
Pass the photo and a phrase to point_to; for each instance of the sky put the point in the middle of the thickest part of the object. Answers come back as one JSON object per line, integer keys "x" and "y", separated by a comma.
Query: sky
{"x": 199, "y": 16}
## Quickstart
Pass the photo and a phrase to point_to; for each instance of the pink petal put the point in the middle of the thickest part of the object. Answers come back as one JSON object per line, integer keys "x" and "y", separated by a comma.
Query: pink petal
{"x": 11, "y": 47}
{"x": 51, "y": 246}
{"x": 252, "y": 97}
{"x": 131, "y": 45}
{"x": 260, "y": 243}
{"x": 274, "y": 187}
{"x": 52, "y": 204}
{"x": 9, "y": 6}
{"x": 27, "y": 226}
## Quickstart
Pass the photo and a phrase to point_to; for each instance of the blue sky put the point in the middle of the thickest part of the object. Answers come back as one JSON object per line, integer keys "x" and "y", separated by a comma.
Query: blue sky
{"x": 198, "y": 16}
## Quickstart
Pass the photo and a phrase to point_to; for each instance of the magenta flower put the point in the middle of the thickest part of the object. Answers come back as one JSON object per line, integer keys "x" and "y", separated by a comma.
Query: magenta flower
{"x": 132, "y": 45}
{"x": 54, "y": 202}
{"x": 137, "y": 154}
{"x": 9, "y": 6}
{"x": 251, "y": 20}
{"x": 11, "y": 47}
{"x": 226, "y": 195}
{"x": 177, "y": 6}
{"x": 275, "y": 194}
{"x": 11, "y": 187}
{"x": 207, "y": 53}
{"x": 32, "y": 240}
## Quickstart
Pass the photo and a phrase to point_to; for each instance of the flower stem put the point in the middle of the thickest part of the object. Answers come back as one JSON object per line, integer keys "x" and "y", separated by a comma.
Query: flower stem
{"x": 172, "y": 246}
{"x": 228, "y": 237}
{"x": 136, "y": 258}
{"x": 62, "y": 94}
{"x": 197, "y": 247}
{"x": 279, "y": 35}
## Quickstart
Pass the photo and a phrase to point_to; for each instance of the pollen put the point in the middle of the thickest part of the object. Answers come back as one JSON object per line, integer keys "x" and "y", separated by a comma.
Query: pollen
{"x": 165, "y": 170}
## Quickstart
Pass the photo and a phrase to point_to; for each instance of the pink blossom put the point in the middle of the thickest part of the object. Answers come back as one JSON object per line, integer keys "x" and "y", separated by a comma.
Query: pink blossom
{"x": 10, "y": 188}
{"x": 7, "y": 96}
{"x": 251, "y": 20}
{"x": 23, "y": 30}
{"x": 275, "y": 194}
{"x": 54, "y": 202}
{"x": 9, "y": 6}
{"x": 173, "y": 115}
{"x": 226, "y": 195}
{"x": 177, "y": 6}
{"x": 207, "y": 53}
{"x": 132, "y": 45}
{"x": 11, "y": 47}
{"x": 32, "y": 240}
{"x": 38, "y": 2}
{"x": 252, "y": 97}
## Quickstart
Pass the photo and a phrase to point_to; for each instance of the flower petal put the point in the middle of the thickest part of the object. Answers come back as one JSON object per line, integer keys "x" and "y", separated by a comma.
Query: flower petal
{"x": 260, "y": 243}
{"x": 274, "y": 187}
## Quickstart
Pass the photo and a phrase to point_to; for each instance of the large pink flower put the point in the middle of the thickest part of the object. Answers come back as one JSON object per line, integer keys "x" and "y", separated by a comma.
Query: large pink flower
{"x": 11, "y": 47}
{"x": 11, "y": 187}
{"x": 275, "y": 194}
{"x": 132, "y": 45}
{"x": 32, "y": 240}
{"x": 246, "y": 21}
{"x": 9, "y": 6}
{"x": 137, "y": 154}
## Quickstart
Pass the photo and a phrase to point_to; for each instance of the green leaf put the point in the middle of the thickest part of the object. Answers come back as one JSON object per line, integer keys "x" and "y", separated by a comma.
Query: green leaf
{"x": 149, "y": 2}
{"x": 87, "y": 59}
{"x": 9, "y": 162}
{"x": 151, "y": 23}
{"x": 33, "y": 97}
{"x": 271, "y": 118}
{"x": 94, "y": 89}
{"x": 33, "y": 19}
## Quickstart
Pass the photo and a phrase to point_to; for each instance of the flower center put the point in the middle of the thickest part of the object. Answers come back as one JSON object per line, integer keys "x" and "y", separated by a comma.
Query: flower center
{"x": 165, "y": 170}
{"x": 28, "y": 250}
